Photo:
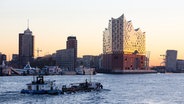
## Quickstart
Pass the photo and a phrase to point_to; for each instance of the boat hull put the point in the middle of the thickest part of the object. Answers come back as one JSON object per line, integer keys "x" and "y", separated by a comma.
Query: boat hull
{"x": 51, "y": 92}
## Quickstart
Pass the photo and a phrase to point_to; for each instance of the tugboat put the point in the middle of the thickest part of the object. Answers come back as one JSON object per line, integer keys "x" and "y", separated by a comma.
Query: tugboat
{"x": 41, "y": 87}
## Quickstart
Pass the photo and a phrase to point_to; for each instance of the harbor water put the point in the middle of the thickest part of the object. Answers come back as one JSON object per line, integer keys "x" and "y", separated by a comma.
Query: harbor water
{"x": 118, "y": 89}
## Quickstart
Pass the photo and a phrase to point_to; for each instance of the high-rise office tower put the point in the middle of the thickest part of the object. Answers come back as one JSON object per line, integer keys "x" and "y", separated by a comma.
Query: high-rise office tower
{"x": 171, "y": 59}
{"x": 72, "y": 44}
{"x": 123, "y": 46}
{"x": 26, "y": 47}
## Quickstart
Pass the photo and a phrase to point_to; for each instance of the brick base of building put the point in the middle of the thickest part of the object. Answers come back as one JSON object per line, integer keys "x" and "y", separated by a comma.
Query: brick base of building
{"x": 124, "y": 63}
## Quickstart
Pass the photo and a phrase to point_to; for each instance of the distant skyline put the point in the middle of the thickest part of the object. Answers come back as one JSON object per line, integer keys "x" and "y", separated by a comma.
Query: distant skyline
{"x": 53, "y": 21}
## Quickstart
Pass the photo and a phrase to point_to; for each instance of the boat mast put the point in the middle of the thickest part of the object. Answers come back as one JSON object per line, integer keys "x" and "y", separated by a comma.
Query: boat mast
{"x": 90, "y": 75}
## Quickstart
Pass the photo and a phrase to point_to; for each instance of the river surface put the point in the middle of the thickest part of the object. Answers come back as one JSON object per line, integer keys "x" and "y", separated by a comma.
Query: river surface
{"x": 118, "y": 89}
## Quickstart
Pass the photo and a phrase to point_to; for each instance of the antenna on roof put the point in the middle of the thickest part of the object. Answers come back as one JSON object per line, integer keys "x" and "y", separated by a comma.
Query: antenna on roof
{"x": 27, "y": 23}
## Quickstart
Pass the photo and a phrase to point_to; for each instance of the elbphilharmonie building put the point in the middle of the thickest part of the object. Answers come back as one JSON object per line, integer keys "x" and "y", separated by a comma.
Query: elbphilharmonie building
{"x": 123, "y": 46}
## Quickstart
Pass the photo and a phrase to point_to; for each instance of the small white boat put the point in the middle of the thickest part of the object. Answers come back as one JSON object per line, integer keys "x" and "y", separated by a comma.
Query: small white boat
{"x": 28, "y": 67}
{"x": 41, "y": 87}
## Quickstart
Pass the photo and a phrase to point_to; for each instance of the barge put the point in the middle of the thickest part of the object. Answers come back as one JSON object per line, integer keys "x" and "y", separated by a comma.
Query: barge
{"x": 84, "y": 86}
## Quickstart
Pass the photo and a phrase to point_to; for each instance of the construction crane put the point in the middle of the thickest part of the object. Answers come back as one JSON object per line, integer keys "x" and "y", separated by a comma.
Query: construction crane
{"x": 163, "y": 58}
{"x": 38, "y": 51}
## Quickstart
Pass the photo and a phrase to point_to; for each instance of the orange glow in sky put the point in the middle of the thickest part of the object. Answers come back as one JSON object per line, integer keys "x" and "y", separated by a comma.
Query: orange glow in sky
{"x": 52, "y": 21}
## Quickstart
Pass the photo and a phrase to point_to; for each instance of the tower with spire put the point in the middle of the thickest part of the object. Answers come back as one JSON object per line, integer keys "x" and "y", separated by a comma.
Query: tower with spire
{"x": 26, "y": 47}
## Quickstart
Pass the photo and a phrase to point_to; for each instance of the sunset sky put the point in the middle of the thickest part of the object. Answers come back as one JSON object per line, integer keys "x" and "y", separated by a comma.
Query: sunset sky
{"x": 52, "y": 21}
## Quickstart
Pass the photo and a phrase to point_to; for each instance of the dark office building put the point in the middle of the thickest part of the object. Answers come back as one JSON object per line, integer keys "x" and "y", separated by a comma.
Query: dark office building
{"x": 2, "y": 58}
{"x": 65, "y": 59}
{"x": 72, "y": 43}
{"x": 26, "y": 47}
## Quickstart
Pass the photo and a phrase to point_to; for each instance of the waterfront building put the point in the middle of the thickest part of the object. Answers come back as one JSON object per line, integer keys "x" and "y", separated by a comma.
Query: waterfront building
{"x": 79, "y": 62}
{"x": 72, "y": 44}
{"x": 171, "y": 59}
{"x": 65, "y": 59}
{"x": 26, "y": 47}
{"x": 1, "y": 70}
{"x": 51, "y": 70}
{"x": 14, "y": 61}
{"x": 90, "y": 61}
{"x": 180, "y": 65}
{"x": 2, "y": 58}
{"x": 47, "y": 60}
{"x": 123, "y": 46}
{"x": 15, "y": 57}
{"x": 87, "y": 61}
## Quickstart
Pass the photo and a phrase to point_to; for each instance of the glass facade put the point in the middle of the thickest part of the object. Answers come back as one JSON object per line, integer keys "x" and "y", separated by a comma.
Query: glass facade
{"x": 121, "y": 37}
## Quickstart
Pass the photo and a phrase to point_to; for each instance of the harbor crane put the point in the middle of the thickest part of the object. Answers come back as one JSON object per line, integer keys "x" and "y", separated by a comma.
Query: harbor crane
{"x": 163, "y": 58}
{"x": 38, "y": 51}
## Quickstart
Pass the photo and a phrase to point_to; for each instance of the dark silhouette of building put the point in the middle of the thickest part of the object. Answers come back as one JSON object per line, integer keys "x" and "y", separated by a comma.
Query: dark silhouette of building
{"x": 72, "y": 43}
{"x": 171, "y": 61}
{"x": 46, "y": 60}
{"x": 65, "y": 59}
{"x": 2, "y": 58}
{"x": 26, "y": 47}
{"x": 15, "y": 61}
{"x": 2, "y": 62}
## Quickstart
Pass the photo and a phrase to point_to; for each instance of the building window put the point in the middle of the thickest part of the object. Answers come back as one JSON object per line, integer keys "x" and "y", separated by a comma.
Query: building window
{"x": 141, "y": 57}
{"x": 115, "y": 57}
